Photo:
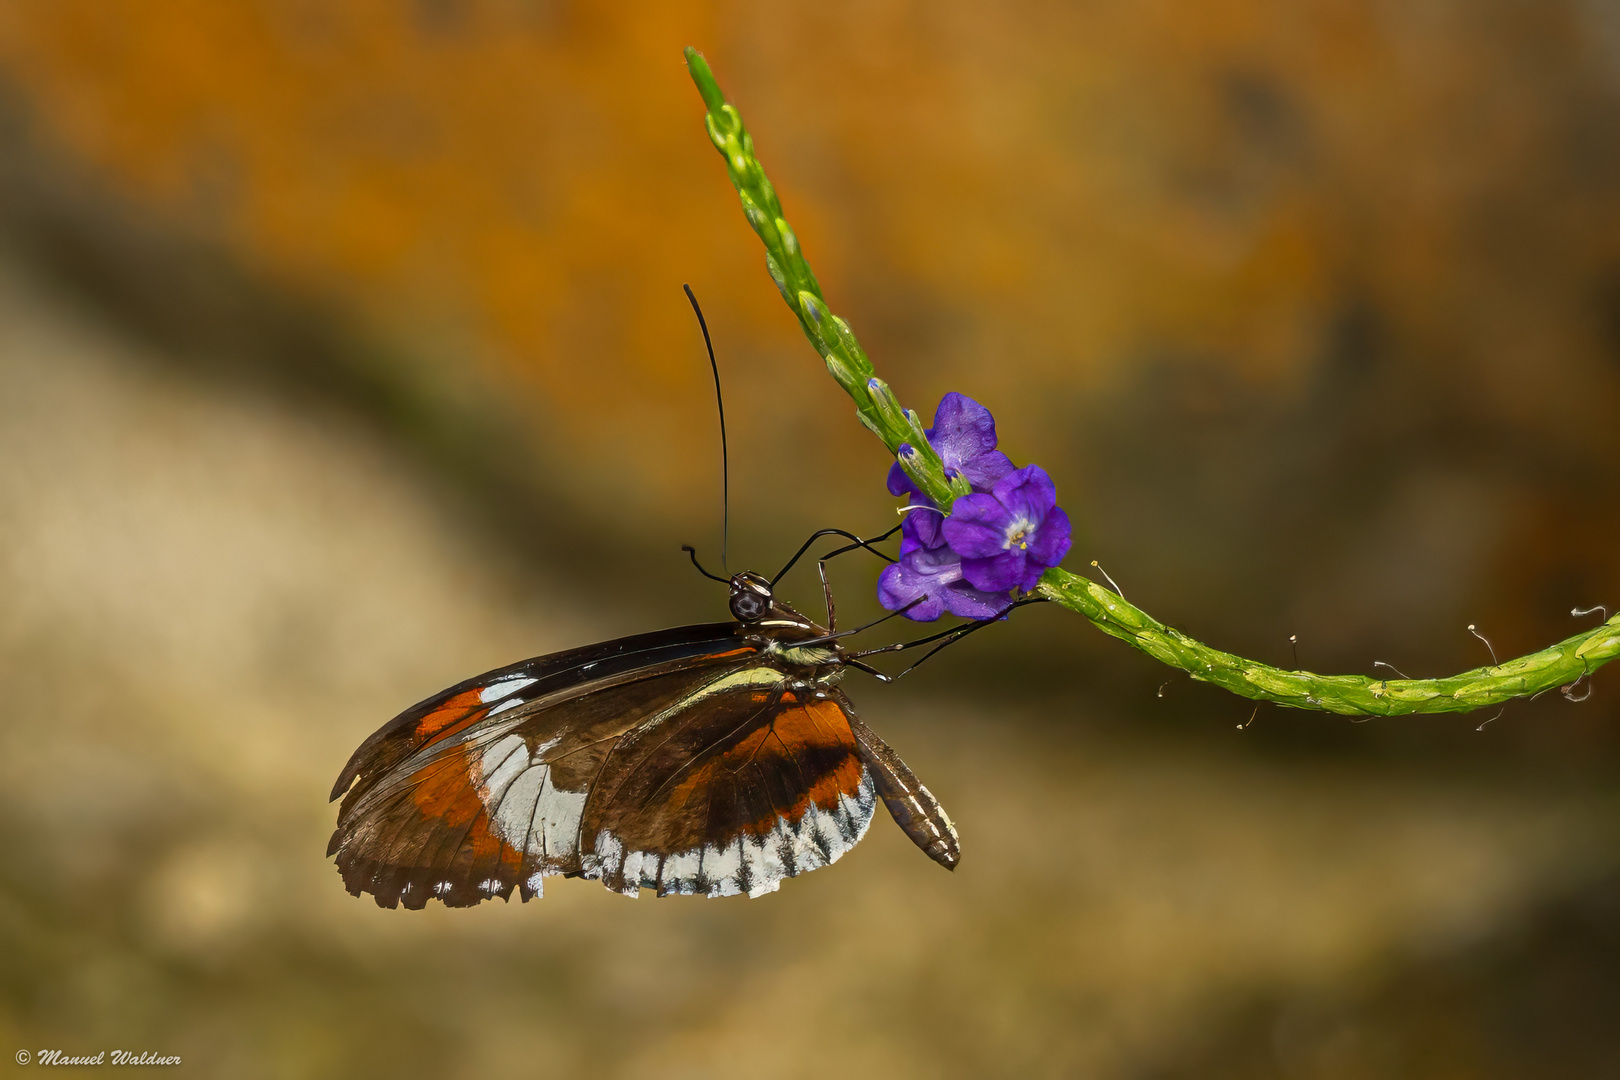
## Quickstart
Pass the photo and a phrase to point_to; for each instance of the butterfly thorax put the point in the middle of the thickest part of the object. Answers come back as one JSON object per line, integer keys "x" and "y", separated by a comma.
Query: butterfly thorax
{"x": 823, "y": 663}
{"x": 779, "y": 632}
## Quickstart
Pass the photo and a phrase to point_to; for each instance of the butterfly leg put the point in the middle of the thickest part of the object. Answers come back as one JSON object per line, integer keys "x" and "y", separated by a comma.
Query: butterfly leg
{"x": 944, "y": 637}
{"x": 821, "y": 567}
{"x": 880, "y": 676}
{"x": 826, "y": 591}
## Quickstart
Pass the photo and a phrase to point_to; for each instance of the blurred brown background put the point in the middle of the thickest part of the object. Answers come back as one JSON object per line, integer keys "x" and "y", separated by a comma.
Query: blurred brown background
{"x": 343, "y": 354}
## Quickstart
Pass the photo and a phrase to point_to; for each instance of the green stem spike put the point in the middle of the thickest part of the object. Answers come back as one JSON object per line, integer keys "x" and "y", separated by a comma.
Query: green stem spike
{"x": 831, "y": 335}
{"x": 1352, "y": 695}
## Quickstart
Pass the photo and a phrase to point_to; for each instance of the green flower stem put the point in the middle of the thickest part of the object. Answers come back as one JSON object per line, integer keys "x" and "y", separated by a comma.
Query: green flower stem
{"x": 902, "y": 432}
{"x": 1350, "y": 695}
{"x": 875, "y": 405}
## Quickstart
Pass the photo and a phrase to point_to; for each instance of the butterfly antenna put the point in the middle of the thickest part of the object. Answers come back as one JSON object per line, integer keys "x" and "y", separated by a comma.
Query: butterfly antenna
{"x": 692, "y": 551}
{"x": 725, "y": 461}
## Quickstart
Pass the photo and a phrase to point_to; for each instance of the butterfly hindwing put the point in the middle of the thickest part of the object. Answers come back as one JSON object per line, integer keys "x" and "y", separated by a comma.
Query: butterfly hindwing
{"x": 759, "y": 784}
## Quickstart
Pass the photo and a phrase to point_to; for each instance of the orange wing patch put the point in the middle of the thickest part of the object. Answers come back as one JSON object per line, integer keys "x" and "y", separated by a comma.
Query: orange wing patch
{"x": 435, "y": 840}
{"x": 798, "y": 729}
{"x": 818, "y": 726}
{"x": 446, "y": 799}
{"x": 733, "y": 800}
{"x": 444, "y": 790}
{"x": 455, "y": 714}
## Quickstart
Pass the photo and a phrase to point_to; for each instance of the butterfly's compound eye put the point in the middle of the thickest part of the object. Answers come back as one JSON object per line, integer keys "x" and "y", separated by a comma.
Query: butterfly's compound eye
{"x": 750, "y": 597}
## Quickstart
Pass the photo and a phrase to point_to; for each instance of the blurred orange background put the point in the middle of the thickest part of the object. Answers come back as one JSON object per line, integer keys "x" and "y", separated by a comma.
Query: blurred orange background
{"x": 346, "y": 356}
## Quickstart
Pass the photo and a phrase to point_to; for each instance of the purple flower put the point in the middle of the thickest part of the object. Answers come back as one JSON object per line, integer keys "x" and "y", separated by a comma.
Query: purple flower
{"x": 1007, "y": 538}
{"x": 998, "y": 539}
{"x": 928, "y": 567}
{"x": 936, "y": 573}
{"x": 964, "y": 436}
{"x": 920, "y": 529}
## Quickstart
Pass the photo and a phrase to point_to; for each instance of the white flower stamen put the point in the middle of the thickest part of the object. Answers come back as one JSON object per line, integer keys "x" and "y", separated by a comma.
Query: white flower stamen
{"x": 1019, "y": 534}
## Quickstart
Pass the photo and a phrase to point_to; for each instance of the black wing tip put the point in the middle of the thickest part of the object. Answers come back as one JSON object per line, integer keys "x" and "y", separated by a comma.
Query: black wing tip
{"x": 345, "y": 781}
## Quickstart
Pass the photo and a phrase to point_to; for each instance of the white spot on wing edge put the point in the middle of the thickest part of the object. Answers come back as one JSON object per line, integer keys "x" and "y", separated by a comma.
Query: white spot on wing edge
{"x": 807, "y": 854}
{"x": 719, "y": 866}
{"x": 631, "y": 870}
{"x": 765, "y": 867}
{"x": 680, "y": 872}
{"x": 556, "y": 818}
{"x": 504, "y": 688}
{"x": 824, "y": 834}
{"x": 607, "y": 858}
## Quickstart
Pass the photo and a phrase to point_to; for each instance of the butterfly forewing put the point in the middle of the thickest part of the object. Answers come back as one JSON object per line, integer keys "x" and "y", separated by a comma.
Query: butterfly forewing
{"x": 439, "y": 795}
{"x": 588, "y": 667}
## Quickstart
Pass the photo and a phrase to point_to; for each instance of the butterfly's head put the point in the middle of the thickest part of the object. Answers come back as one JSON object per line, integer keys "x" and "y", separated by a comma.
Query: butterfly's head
{"x": 751, "y": 598}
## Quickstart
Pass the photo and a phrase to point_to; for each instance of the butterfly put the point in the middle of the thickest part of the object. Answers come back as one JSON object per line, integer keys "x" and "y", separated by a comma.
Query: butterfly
{"x": 716, "y": 759}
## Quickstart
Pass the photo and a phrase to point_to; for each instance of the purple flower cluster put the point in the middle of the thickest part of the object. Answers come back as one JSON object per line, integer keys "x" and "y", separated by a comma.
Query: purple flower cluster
{"x": 1000, "y": 538}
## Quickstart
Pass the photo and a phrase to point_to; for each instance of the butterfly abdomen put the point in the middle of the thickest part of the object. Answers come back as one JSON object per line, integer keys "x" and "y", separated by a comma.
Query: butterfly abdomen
{"x": 912, "y": 805}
